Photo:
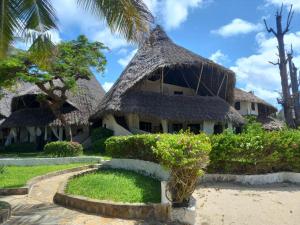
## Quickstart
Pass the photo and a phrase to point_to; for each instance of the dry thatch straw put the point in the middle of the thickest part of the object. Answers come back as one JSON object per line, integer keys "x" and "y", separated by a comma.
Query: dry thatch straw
{"x": 81, "y": 104}
{"x": 160, "y": 54}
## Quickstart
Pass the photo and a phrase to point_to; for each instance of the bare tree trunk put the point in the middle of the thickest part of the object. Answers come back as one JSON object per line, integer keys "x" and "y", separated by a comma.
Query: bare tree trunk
{"x": 295, "y": 88}
{"x": 279, "y": 34}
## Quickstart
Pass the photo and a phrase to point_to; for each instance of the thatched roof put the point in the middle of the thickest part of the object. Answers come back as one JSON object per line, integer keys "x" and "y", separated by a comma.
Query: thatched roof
{"x": 6, "y": 97}
{"x": 83, "y": 101}
{"x": 179, "y": 108}
{"x": 271, "y": 123}
{"x": 244, "y": 96}
{"x": 158, "y": 53}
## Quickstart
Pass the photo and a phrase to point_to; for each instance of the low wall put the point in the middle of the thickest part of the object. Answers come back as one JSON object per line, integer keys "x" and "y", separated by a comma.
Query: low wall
{"x": 260, "y": 179}
{"x": 159, "y": 211}
{"x": 25, "y": 190}
{"x": 5, "y": 212}
{"x": 48, "y": 161}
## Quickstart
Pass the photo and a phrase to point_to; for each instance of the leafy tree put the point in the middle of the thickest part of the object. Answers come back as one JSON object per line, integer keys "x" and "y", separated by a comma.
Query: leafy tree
{"x": 71, "y": 61}
{"x": 32, "y": 20}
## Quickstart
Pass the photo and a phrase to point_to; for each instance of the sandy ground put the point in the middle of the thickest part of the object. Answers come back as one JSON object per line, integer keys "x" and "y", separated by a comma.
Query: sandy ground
{"x": 230, "y": 204}
{"x": 217, "y": 204}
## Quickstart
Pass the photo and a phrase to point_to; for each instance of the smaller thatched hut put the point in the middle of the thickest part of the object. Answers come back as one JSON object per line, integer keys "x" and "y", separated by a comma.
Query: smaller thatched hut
{"x": 29, "y": 120}
{"x": 166, "y": 88}
{"x": 246, "y": 103}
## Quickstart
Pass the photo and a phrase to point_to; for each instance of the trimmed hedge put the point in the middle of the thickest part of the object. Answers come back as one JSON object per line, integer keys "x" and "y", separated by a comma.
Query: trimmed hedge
{"x": 20, "y": 148}
{"x": 132, "y": 147}
{"x": 255, "y": 152}
{"x": 98, "y": 137}
{"x": 63, "y": 149}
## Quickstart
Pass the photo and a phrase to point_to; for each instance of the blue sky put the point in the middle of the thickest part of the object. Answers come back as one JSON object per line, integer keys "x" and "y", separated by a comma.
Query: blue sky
{"x": 230, "y": 32}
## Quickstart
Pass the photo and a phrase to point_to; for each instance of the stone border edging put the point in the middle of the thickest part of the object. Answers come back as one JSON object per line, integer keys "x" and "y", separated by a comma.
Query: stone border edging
{"x": 259, "y": 179}
{"x": 49, "y": 161}
{"x": 158, "y": 211}
{"x": 5, "y": 213}
{"x": 25, "y": 190}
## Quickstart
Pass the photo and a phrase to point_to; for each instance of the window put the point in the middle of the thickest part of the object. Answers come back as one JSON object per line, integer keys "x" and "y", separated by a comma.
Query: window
{"x": 145, "y": 126}
{"x": 177, "y": 127}
{"x": 253, "y": 106}
{"x": 178, "y": 93}
{"x": 237, "y": 105}
{"x": 195, "y": 128}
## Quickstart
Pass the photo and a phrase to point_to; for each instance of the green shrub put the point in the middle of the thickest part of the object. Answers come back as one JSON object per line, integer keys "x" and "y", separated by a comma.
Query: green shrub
{"x": 255, "y": 151}
{"x": 185, "y": 155}
{"x": 20, "y": 148}
{"x": 100, "y": 133}
{"x": 63, "y": 149}
{"x": 2, "y": 169}
{"x": 132, "y": 147}
{"x": 99, "y": 145}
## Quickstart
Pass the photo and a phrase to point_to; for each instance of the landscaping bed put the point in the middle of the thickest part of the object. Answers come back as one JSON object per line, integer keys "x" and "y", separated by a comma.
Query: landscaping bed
{"x": 18, "y": 176}
{"x": 116, "y": 185}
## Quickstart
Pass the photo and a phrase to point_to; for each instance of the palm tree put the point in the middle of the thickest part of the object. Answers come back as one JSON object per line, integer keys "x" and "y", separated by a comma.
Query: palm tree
{"x": 32, "y": 20}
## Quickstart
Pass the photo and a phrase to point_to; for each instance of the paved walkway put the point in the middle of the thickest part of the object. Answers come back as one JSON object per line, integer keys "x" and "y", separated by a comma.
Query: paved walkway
{"x": 218, "y": 204}
{"x": 37, "y": 208}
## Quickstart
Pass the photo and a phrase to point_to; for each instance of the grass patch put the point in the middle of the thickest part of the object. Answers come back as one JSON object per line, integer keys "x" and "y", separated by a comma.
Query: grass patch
{"x": 18, "y": 176}
{"x": 116, "y": 185}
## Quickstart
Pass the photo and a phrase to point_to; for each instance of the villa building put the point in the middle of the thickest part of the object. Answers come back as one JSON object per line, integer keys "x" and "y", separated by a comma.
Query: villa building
{"x": 166, "y": 88}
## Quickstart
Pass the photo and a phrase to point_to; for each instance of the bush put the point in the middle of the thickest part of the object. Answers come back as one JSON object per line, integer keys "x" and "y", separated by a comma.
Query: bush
{"x": 100, "y": 133}
{"x": 186, "y": 155}
{"x": 2, "y": 169}
{"x": 98, "y": 137}
{"x": 63, "y": 149}
{"x": 255, "y": 151}
{"x": 99, "y": 145}
{"x": 132, "y": 147}
{"x": 20, "y": 148}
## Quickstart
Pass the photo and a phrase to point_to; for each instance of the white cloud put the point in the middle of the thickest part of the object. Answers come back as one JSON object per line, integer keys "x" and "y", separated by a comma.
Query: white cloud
{"x": 176, "y": 11}
{"x": 107, "y": 85}
{"x": 295, "y": 3}
{"x": 124, "y": 61}
{"x": 73, "y": 18}
{"x": 172, "y": 13}
{"x": 219, "y": 57}
{"x": 255, "y": 71}
{"x": 236, "y": 27}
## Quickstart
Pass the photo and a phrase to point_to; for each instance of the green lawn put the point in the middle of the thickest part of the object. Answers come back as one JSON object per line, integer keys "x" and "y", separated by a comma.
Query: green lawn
{"x": 18, "y": 176}
{"x": 116, "y": 185}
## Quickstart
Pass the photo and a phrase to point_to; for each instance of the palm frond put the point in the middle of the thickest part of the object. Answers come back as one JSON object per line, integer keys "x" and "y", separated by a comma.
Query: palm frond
{"x": 9, "y": 22}
{"x": 38, "y": 15}
{"x": 131, "y": 18}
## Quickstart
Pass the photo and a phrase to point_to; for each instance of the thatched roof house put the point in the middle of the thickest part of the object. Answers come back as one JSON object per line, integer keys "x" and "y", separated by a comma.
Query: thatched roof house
{"x": 24, "y": 112}
{"x": 166, "y": 87}
{"x": 249, "y": 104}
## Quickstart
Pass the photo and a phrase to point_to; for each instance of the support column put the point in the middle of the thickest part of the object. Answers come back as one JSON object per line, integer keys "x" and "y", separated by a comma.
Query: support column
{"x": 60, "y": 133}
{"x": 208, "y": 127}
{"x": 164, "y": 124}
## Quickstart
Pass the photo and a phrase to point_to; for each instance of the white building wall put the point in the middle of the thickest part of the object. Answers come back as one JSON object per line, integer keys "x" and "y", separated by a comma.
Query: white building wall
{"x": 208, "y": 127}
{"x": 110, "y": 123}
{"x": 168, "y": 89}
{"x": 246, "y": 109}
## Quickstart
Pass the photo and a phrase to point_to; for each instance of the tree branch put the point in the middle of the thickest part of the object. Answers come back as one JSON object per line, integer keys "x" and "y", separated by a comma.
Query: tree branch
{"x": 289, "y": 20}
{"x": 269, "y": 29}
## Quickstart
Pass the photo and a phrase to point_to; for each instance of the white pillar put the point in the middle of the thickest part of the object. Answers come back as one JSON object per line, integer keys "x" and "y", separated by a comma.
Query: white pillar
{"x": 164, "y": 124}
{"x": 208, "y": 127}
{"x": 60, "y": 133}
{"x": 133, "y": 121}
